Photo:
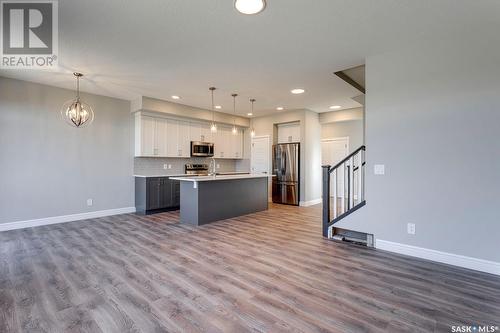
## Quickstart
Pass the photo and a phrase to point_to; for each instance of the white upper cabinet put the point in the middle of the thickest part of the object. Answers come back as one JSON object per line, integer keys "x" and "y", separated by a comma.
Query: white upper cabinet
{"x": 289, "y": 132}
{"x": 183, "y": 139}
{"x": 165, "y": 137}
{"x": 172, "y": 127}
{"x": 150, "y": 136}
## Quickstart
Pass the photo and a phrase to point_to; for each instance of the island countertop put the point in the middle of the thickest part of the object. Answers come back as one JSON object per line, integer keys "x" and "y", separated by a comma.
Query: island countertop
{"x": 219, "y": 177}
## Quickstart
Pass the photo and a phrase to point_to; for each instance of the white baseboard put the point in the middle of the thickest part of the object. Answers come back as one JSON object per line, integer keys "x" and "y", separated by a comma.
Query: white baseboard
{"x": 310, "y": 202}
{"x": 64, "y": 218}
{"x": 443, "y": 257}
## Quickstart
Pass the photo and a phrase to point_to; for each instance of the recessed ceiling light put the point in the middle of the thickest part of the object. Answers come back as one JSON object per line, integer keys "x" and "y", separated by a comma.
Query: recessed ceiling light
{"x": 297, "y": 91}
{"x": 249, "y": 114}
{"x": 334, "y": 107}
{"x": 175, "y": 97}
{"x": 279, "y": 108}
{"x": 250, "y": 7}
{"x": 218, "y": 107}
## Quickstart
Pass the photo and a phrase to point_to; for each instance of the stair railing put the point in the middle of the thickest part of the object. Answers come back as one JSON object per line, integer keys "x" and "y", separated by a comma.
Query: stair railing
{"x": 343, "y": 188}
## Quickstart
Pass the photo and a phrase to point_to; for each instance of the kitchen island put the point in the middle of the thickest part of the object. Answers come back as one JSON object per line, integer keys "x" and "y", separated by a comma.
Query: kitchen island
{"x": 206, "y": 199}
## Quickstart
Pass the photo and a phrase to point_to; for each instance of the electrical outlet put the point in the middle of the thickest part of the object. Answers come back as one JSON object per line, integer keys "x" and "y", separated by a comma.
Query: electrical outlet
{"x": 379, "y": 169}
{"x": 165, "y": 166}
{"x": 411, "y": 228}
{"x": 90, "y": 202}
{"x": 218, "y": 166}
{"x": 170, "y": 166}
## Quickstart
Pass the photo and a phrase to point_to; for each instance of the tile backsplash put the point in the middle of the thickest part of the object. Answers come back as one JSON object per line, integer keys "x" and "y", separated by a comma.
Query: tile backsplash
{"x": 154, "y": 165}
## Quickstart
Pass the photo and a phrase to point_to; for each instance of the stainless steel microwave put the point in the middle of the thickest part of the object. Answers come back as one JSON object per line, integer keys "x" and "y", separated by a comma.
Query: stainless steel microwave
{"x": 202, "y": 149}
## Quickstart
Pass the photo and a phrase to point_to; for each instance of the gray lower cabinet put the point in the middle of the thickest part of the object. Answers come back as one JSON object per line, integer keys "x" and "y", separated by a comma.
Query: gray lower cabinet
{"x": 155, "y": 194}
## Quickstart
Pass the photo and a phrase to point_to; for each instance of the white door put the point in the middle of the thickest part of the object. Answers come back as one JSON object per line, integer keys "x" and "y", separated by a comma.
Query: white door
{"x": 259, "y": 162}
{"x": 332, "y": 152}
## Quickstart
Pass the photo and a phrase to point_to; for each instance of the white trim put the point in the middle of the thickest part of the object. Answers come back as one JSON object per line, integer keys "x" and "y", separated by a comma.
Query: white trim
{"x": 310, "y": 202}
{"x": 442, "y": 257}
{"x": 339, "y": 138}
{"x": 64, "y": 218}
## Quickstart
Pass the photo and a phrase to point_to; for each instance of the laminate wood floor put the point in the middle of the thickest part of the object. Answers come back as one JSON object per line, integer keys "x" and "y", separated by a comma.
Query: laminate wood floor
{"x": 266, "y": 272}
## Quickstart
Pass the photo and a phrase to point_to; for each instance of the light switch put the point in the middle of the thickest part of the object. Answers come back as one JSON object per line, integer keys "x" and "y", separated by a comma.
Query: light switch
{"x": 165, "y": 166}
{"x": 90, "y": 202}
{"x": 218, "y": 166}
{"x": 379, "y": 169}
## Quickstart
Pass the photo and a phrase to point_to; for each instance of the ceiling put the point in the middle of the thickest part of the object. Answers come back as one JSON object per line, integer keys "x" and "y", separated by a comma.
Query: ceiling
{"x": 160, "y": 48}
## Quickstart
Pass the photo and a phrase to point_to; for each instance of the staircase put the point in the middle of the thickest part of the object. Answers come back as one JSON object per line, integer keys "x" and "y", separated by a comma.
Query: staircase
{"x": 343, "y": 194}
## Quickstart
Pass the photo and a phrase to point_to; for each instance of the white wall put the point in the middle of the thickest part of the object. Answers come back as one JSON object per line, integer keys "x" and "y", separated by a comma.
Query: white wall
{"x": 50, "y": 169}
{"x": 433, "y": 119}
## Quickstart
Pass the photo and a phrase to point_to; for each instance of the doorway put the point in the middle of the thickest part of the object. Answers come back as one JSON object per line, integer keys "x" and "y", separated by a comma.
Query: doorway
{"x": 259, "y": 161}
{"x": 260, "y": 157}
{"x": 333, "y": 151}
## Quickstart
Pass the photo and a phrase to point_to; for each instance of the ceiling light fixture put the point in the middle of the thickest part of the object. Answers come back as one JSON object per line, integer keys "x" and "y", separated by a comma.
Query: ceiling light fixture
{"x": 279, "y": 108}
{"x": 75, "y": 112}
{"x": 218, "y": 107}
{"x": 249, "y": 114}
{"x": 335, "y": 107}
{"x": 235, "y": 130}
{"x": 249, "y": 7}
{"x": 213, "y": 125}
{"x": 297, "y": 91}
{"x": 252, "y": 131}
{"x": 175, "y": 97}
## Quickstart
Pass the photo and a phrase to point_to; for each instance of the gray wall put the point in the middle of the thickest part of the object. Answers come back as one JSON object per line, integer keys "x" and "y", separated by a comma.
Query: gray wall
{"x": 49, "y": 168}
{"x": 433, "y": 119}
{"x": 352, "y": 129}
{"x": 181, "y": 110}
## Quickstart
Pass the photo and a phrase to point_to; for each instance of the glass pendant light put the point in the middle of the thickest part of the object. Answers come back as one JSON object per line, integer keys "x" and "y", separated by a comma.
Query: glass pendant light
{"x": 252, "y": 131}
{"x": 235, "y": 130}
{"x": 213, "y": 125}
{"x": 75, "y": 112}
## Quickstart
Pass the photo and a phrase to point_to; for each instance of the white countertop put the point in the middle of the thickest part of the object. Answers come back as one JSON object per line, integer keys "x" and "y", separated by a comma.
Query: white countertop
{"x": 190, "y": 175}
{"x": 219, "y": 177}
{"x": 154, "y": 176}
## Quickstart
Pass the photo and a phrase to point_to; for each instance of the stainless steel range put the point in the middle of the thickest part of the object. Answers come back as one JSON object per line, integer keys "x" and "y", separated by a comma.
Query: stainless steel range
{"x": 196, "y": 169}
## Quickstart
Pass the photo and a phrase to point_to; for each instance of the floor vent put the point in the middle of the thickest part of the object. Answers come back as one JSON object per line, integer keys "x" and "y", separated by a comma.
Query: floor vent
{"x": 355, "y": 237}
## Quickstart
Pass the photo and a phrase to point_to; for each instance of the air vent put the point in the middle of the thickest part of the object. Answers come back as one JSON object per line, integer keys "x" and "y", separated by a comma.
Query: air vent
{"x": 355, "y": 237}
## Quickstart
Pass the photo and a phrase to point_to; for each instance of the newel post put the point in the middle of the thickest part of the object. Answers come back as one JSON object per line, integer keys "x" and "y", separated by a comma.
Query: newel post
{"x": 326, "y": 199}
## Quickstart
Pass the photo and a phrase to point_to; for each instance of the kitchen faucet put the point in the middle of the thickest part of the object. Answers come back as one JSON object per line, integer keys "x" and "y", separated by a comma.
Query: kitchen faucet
{"x": 211, "y": 169}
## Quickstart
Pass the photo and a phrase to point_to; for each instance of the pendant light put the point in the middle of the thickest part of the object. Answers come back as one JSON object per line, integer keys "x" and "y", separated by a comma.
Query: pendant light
{"x": 252, "y": 131}
{"x": 213, "y": 126}
{"x": 75, "y": 112}
{"x": 235, "y": 130}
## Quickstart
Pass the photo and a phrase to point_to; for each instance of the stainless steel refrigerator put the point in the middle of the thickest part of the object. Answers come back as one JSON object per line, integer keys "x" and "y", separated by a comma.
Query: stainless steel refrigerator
{"x": 286, "y": 162}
